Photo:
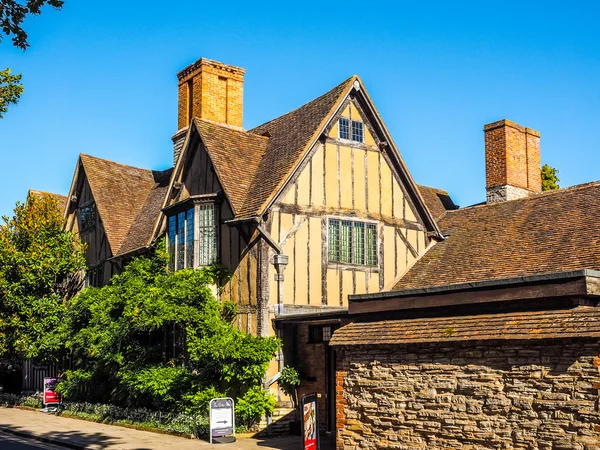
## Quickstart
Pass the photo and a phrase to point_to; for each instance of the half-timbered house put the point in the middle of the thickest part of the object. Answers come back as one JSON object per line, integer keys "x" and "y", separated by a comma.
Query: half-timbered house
{"x": 304, "y": 210}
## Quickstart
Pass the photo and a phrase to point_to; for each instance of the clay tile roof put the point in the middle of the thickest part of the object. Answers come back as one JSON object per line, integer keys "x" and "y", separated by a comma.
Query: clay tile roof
{"x": 60, "y": 199}
{"x": 235, "y": 154}
{"x": 288, "y": 137}
{"x": 120, "y": 193}
{"x": 554, "y": 231}
{"x": 582, "y": 321}
{"x": 437, "y": 201}
{"x": 141, "y": 231}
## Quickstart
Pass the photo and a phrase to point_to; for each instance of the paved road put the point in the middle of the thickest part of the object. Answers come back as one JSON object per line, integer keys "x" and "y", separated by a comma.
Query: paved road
{"x": 10, "y": 442}
{"x": 96, "y": 436}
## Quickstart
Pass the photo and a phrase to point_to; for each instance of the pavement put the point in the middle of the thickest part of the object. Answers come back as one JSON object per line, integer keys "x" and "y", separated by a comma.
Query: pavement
{"x": 80, "y": 434}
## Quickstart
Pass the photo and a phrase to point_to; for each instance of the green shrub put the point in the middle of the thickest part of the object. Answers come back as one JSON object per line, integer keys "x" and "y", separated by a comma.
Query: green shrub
{"x": 289, "y": 382}
{"x": 255, "y": 404}
{"x": 198, "y": 403}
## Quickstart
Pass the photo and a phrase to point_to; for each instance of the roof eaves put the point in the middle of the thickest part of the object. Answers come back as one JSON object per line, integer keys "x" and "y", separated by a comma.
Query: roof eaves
{"x": 478, "y": 285}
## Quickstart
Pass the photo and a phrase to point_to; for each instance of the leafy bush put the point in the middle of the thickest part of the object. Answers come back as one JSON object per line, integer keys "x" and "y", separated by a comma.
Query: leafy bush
{"x": 255, "y": 404}
{"x": 289, "y": 382}
{"x": 198, "y": 403}
{"x": 159, "y": 340}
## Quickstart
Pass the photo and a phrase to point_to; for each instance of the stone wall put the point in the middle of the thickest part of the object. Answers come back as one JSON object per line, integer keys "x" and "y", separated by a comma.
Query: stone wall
{"x": 470, "y": 395}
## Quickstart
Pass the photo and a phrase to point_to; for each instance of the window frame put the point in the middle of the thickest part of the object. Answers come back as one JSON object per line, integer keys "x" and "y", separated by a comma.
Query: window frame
{"x": 183, "y": 209}
{"x": 92, "y": 226}
{"x": 339, "y": 263}
{"x": 350, "y": 137}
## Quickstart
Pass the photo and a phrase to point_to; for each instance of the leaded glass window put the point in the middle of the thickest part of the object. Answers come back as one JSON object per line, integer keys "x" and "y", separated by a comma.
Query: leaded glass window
{"x": 334, "y": 240}
{"x": 181, "y": 240}
{"x": 180, "y": 259}
{"x": 189, "y": 238}
{"x": 346, "y": 242}
{"x": 357, "y": 131}
{"x": 352, "y": 242}
{"x": 351, "y": 130}
{"x": 87, "y": 217}
{"x": 207, "y": 234}
{"x": 371, "y": 244}
{"x": 171, "y": 239}
{"x": 344, "y": 125}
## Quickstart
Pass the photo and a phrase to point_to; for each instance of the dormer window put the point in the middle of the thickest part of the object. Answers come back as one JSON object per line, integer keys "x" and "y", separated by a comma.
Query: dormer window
{"x": 87, "y": 217}
{"x": 192, "y": 236}
{"x": 351, "y": 130}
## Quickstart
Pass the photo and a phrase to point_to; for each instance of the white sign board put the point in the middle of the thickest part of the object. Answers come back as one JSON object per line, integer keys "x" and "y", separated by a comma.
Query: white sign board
{"x": 222, "y": 418}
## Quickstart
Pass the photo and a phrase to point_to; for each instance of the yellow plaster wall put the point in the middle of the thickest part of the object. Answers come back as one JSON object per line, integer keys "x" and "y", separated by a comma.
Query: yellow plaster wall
{"x": 301, "y": 264}
{"x": 346, "y": 176}
{"x": 317, "y": 177}
{"x": 339, "y": 178}
{"x": 373, "y": 181}
{"x": 331, "y": 169}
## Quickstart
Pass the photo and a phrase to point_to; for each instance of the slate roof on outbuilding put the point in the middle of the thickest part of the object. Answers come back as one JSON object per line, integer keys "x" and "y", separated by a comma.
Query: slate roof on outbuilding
{"x": 550, "y": 232}
{"x": 582, "y": 321}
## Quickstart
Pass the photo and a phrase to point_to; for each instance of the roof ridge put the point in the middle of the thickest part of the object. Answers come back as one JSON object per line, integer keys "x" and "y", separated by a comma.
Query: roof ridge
{"x": 230, "y": 127}
{"x": 252, "y": 130}
{"x": 117, "y": 163}
{"x": 536, "y": 195}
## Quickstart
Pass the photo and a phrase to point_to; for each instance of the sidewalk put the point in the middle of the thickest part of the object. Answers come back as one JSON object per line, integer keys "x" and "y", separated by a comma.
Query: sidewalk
{"x": 80, "y": 434}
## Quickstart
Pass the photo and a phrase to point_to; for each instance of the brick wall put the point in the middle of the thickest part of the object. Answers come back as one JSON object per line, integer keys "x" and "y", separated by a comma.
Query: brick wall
{"x": 211, "y": 90}
{"x": 512, "y": 156}
{"x": 480, "y": 395}
{"x": 310, "y": 362}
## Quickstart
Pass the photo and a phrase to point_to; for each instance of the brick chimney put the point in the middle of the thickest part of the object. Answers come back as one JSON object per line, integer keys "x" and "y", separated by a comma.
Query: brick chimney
{"x": 512, "y": 161}
{"x": 210, "y": 90}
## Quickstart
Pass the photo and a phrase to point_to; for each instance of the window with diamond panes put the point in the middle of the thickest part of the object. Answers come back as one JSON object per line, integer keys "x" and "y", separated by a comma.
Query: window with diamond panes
{"x": 352, "y": 242}
{"x": 207, "y": 234}
{"x": 344, "y": 125}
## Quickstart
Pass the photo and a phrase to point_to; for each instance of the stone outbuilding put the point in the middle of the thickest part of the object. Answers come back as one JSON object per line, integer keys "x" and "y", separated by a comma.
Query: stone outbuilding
{"x": 490, "y": 341}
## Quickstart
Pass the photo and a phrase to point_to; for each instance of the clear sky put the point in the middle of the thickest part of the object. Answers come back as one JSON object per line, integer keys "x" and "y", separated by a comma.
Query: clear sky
{"x": 100, "y": 78}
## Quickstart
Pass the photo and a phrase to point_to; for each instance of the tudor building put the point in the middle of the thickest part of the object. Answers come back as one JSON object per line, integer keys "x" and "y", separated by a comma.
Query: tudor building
{"x": 304, "y": 210}
{"x": 316, "y": 207}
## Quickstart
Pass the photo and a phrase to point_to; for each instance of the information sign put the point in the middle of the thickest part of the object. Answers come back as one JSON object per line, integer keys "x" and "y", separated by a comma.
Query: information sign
{"x": 51, "y": 397}
{"x": 222, "y": 419}
{"x": 310, "y": 422}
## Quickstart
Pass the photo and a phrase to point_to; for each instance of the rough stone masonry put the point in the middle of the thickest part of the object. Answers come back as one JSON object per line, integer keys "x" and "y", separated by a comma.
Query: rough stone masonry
{"x": 470, "y": 395}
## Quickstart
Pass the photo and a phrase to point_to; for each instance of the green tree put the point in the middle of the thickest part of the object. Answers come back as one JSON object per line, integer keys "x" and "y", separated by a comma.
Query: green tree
{"x": 10, "y": 90}
{"x": 37, "y": 263}
{"x": 158, "y": 339}
{"x": 12, "y": 14}
{"x": 549, "y": 178}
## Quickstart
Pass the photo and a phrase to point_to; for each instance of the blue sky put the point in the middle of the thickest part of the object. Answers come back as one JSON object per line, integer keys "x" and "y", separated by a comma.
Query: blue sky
{"x": 100, "y": 79}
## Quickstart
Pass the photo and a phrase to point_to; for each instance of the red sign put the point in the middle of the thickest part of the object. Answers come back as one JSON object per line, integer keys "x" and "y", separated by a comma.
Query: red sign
{"x": 50, "y": 395}
{"x": 309, "y": 409}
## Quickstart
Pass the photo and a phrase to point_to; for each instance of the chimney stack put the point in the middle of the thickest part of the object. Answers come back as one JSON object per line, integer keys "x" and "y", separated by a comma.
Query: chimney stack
{"x": 512, "y": 161}
{"x": 209, "y": 90}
